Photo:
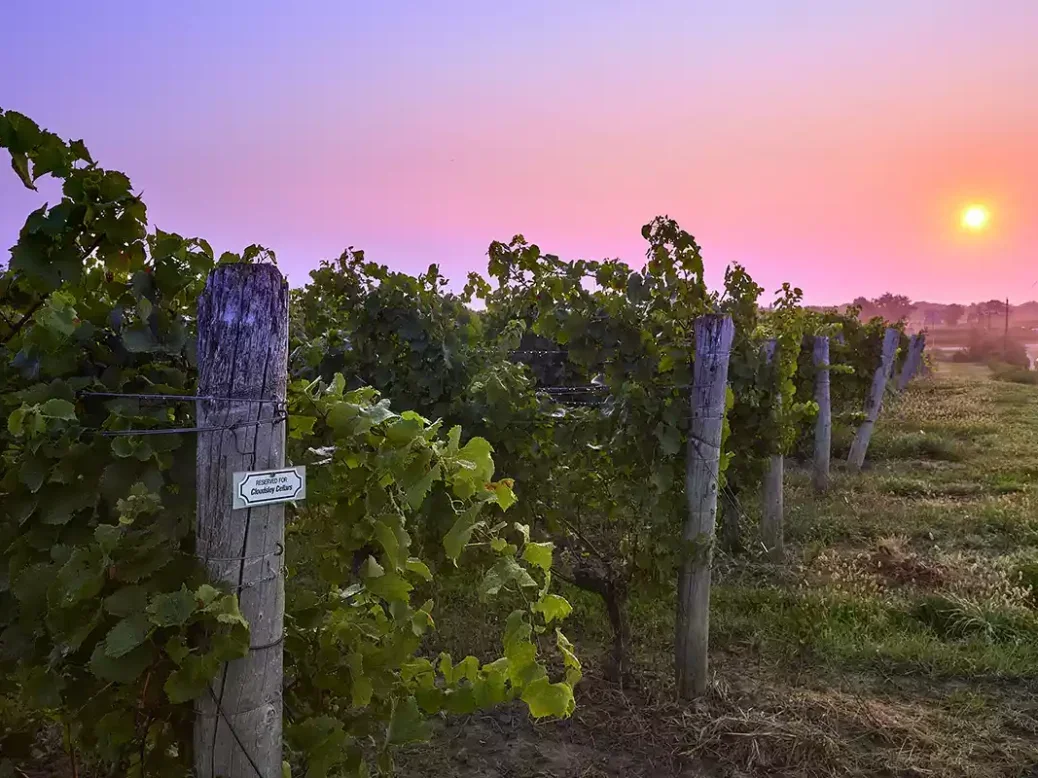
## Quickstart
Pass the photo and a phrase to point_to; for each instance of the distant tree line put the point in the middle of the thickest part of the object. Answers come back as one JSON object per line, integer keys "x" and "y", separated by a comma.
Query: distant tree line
{"x": 895, "y": 307}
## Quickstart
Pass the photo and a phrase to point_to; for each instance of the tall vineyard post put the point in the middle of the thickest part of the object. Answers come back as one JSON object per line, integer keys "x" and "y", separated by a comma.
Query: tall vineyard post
{"x": 856, "y": 458}
{"x": 771, "y": 515}
{"x": 824, "y": 419}
{"x": 922, "y": 367}
{"x": 918, "y": 366}
{"x": 909, "y": 366}
{"x": 243, "y": 355}
{"x": 714, "y": 335}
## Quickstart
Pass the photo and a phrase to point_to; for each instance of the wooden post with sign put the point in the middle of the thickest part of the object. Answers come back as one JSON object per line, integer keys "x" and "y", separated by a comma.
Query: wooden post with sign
{"x": 243, "y": 366}
{"x": 714, "y": 335}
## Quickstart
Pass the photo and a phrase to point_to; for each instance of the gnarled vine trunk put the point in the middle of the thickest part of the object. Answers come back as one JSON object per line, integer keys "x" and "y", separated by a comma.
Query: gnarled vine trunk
{"x": 613, "y": 590}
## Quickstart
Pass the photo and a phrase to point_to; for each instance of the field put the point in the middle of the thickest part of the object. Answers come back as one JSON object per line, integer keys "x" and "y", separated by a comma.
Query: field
{"x": 900, "y": 638}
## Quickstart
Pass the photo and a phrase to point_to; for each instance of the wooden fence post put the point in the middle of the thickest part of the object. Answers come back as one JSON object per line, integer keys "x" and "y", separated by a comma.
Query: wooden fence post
{"x": 911, "y": 363}
{"x": 860, "y": 445}
{"x": 771, "y": 513}
{"x": 714, "y": 334}
{"x": 824, "y": 419}
{"x": 243, "y": 355}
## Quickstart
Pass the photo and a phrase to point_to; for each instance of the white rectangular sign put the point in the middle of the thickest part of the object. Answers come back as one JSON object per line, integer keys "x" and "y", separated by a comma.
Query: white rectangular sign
{"x": 265, "y": 487}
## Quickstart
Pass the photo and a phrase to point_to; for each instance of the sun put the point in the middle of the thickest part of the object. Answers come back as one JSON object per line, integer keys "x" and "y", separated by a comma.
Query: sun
{"x": 975, "y": 217}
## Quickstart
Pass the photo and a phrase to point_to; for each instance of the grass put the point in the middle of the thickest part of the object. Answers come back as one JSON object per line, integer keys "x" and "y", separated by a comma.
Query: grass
{"x": 1015, "y": 374}
{"x": 899, "y": 638}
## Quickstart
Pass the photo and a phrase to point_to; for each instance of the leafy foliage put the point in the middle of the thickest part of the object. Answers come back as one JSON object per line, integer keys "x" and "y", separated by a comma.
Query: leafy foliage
{"x": 573, "y": 377}
{"x": 108, "y": 625}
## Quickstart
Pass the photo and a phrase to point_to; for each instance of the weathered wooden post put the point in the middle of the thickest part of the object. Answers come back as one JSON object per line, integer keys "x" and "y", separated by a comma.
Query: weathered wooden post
{"x": 243, "y": 365}
{"x": 771, "y": 492}
{"x": 911, "y": 363}
{"x": 714, "y": 336}
{"x": 824, "y": 419}
{"x": 860, "y": 444}
{"x": 921, "y": 367}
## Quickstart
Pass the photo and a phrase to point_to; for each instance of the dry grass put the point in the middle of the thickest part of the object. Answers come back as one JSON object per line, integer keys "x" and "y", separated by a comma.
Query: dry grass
{"x": 754, "y": 724}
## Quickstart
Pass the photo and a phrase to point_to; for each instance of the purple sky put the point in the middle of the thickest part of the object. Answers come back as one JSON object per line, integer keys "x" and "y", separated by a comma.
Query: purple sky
{"x": 831, "y": 144}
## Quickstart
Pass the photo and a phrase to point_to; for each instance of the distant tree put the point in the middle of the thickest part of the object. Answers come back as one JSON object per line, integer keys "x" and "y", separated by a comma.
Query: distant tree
{"x": 866, "y": 310}
{"x": 953, "y": 314}
{"x": 989, "y": 311}
{"x": 893, "y": 307}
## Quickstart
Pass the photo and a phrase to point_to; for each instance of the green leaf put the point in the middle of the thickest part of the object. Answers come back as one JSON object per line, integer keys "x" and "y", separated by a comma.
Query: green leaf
{"x": 569, "y": 658}
{"x": 476, "y": 468}
{"x": 173, "y": 609}
{"x": 126, "y": 635}
{"x": 505, "y": 496}
{"x": 56, "y": 408}
{"x": 116, "y": 728}
{"x": 549, "y": 699}
{"x": 139, "y": 340}
{"x": 189, "y": 681}
{"x": 125, "y": 669}
{"x": 226, "y": 610}
{"x": 371, "y": 569}
{"x": 453, "y": 440}
{"x": 406, "y": 725}
{"x": 177, "y": 650}
{"x": 33, "y": 473}
{"x": 539, "y": 554}
{"x": 341, "y": 417}
{"x": 553, "y": 607}
{"x": 16, "y": 421}
{"x": 492, "y": 689}
{"x": 206, "y": 594}
{"x": 505, "y": 571}
{"x": 108, "y": 536}
{"x": 418, "y": 566}
{"x": 380, "y": 412}
{"x": 79, "y": 151}
{"x": 361, "y": 688}
{"x": 127, "y": 601}
{"x": 417, "y": 492}
{"x": 20, "y": 165}
{"x": 389, "y": 587}
{"x": 324, "y": 741}
{"x": 80, "y": 578}
{"x": 459, "y": 534}
{"x": 300, "y": 426}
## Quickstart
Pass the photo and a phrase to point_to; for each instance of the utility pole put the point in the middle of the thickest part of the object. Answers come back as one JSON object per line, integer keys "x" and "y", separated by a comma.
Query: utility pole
{"x": 1005, "y": 335}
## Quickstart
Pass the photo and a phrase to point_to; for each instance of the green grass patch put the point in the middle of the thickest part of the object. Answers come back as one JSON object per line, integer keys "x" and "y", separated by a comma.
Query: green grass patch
{"x": 1014, "y": 374}
{"x": 937, "y": 637}
{"x": 917, "y": 445}
{"x": 930, "y": 489}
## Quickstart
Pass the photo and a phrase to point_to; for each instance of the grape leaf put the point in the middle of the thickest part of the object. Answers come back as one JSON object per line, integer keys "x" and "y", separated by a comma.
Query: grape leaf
{"x": 553, "y": 607}
{"x": 173, "y": 609}
{"x": 126, "y": 635}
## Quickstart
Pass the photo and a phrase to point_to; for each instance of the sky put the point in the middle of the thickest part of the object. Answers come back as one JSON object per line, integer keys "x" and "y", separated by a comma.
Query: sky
{"x": 829, "y": 144}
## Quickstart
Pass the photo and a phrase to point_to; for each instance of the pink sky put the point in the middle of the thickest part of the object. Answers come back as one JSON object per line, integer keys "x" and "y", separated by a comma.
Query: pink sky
{"x": 828, "y": 144}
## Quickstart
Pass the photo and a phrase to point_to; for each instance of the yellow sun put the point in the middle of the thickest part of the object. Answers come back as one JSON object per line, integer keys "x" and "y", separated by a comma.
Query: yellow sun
{"x": 975, "y": 218}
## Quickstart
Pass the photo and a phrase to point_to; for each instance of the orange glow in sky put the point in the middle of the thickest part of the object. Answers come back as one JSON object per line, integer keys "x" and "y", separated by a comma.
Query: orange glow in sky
{"x": 834, "y": 145}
